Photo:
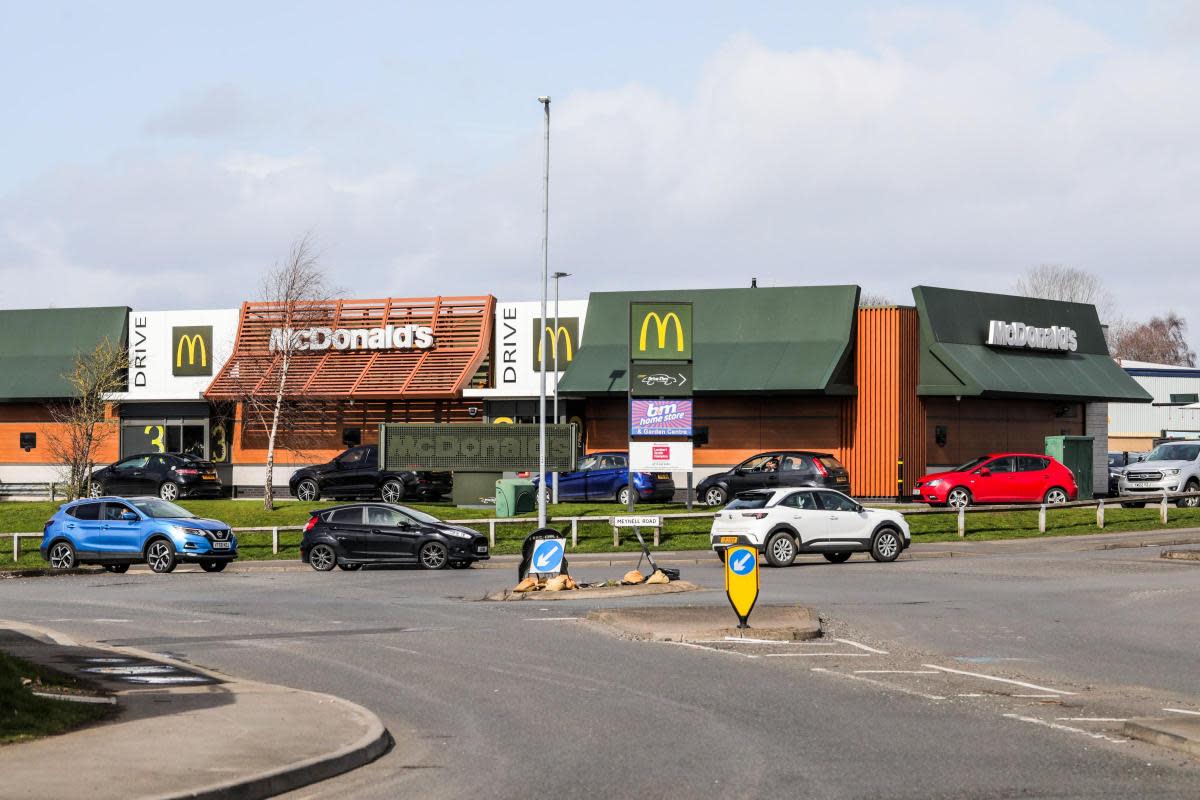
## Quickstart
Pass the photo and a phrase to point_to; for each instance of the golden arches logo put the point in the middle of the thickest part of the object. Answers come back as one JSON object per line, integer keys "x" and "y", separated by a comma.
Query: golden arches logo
{"x": 193, "y": 341}
{"x": 662, "y": 324}
{"x": 552, "y": 336}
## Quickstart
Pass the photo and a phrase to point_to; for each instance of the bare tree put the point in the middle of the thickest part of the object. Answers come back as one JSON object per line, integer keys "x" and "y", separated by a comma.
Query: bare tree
{"x": 80, "y": 428}
{"x": 295, "y": 291}
{"x": 874, "y": 300}
{"x": 1162, "y": 340}
{"x": 1057, "y": 282}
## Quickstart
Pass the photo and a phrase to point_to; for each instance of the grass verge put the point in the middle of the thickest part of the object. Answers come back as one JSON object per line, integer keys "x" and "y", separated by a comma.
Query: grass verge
{"x": 24, "y": 715}
{"x": 687, "y": 534}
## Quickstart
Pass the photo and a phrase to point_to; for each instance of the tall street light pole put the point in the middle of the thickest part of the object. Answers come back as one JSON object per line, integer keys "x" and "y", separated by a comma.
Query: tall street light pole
{"x": 545, "y": 101}
{"x": 557, "y": 372}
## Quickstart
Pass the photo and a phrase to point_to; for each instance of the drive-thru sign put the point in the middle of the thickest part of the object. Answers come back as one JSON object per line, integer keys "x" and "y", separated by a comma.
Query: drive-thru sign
{"x": 741, "y": 581}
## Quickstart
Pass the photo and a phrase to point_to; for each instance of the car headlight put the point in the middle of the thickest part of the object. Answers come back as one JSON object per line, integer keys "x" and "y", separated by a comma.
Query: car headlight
{"x": 458, "y": 534}
{"x": 1170, "y": 472}
{"x": 193, "y": 531}
{"x": 934, "y": 482}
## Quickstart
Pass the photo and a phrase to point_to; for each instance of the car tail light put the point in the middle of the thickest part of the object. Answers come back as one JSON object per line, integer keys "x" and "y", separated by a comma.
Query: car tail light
{"x": 754, "y": 514}
{"x": 187, "y": 471}
{"x": 820, "y": 468}
{"x": 312, "y": 522}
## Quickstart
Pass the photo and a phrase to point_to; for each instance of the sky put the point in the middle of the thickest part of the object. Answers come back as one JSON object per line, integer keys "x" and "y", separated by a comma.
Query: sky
{"x": 163, "y": 155}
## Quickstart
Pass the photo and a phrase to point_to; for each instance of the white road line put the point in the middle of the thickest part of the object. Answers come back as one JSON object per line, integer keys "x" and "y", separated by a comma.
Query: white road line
{"x": 862, "y": 646}
{"x": 109, "y": 620}
{"x": 712, "y": 649}
{"x": 1066, "y": 728}
{"x": 883, "y": 685}
{"x": 971, "y": 694}
{"x": 1182, "y": 711}
{"x": 896, "y": 672}
{"x": 810, "y": 655}
{"x": 551, "y": 619}
{"x": 1035, "y": 695}
{"x": 998, "y": 680}
{"x": 1092, "y": 719}
{"x": 789, "y": 642}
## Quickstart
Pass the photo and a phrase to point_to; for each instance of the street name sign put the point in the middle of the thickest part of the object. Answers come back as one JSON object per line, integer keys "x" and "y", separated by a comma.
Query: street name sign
{"x": 741, "y": 581}
{"x": 637, "y": 521}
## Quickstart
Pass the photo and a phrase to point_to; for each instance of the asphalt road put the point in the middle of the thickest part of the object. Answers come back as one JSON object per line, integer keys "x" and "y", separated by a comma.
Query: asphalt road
{"x": 1005, "y": 674}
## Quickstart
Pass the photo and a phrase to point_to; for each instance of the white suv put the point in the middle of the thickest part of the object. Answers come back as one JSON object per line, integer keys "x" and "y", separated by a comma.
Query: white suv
{"x": 783, "y": 522}
{"x": 1170, "y": 467}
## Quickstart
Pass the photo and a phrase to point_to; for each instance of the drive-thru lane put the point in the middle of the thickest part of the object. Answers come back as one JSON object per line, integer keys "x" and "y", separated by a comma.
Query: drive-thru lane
{"x": 505, "y": 699}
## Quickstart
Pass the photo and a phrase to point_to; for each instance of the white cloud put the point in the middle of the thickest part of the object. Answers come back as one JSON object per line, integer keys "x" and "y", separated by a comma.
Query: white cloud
{"x": 957, "y": 152}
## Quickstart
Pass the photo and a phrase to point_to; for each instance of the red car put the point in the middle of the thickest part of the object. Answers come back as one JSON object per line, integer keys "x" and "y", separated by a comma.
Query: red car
{"x": 1000, "y": 478}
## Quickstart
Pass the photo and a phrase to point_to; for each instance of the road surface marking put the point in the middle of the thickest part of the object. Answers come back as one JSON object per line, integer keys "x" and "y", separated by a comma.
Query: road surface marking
{"x": 998, "y": 680}
{"x": 882, "y": 684}
{"x": 1067, "y": 728}
{"x": 1092, "y": 719}
{"x": 1182, "y": 711}
{"x": 551, "y": 619}
{"x": 896, "y": 672}
{"x": 971, "y": 694}
{"x": 809, "y": 655}
{"x": 102, "y": 619}
{"x": 861, "y": 646}
{"x": 768, "y": 641}
{"x": 1035, "y": 695}
{"x": 712, "y": 649}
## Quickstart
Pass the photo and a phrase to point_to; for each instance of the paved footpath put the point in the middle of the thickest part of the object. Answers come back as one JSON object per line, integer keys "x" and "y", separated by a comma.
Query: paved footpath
{"x": 182, "y": 732}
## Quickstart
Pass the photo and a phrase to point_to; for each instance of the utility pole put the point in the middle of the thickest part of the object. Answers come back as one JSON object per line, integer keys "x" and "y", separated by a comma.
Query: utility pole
{"x": 545, "y": 101}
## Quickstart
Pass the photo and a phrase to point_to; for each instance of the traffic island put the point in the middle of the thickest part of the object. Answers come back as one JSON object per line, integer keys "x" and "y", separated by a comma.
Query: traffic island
{"x": 598, "y": 592}
{"x": 1177, "y": 733}
{"x": 706, "y": 623}
{"x": 181, "y": 731}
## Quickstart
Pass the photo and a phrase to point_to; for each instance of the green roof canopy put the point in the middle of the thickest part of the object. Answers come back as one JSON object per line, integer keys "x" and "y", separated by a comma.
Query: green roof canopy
{"x": 777, "y": 339}
{"x": 956, "y": 359}
{"x": 38, "y": 346}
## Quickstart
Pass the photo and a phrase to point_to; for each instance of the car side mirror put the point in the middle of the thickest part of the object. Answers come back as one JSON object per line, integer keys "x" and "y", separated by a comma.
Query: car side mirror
{"x": 859, "y": 509}
{"x": 739, "y": 471}
{"x": 984, "y": 472}
{"x": 129, "y": 516}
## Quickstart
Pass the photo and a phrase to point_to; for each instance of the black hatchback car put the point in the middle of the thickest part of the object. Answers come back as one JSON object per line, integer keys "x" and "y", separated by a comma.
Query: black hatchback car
{"x": 171, "y": 476}
{"x": 778, "y": 469}
{"x": 352, "y": 535}
{"x": 356, "y": 473}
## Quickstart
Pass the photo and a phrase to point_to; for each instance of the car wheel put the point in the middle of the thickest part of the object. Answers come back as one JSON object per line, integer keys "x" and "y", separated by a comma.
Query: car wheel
{"x": 958, "y": 497}
{"x": 160, "y": 555}
{"x": 213, "y": 566}
{"x": 624, "y": 495}
{"x": 116, "y": 569}
{"x": 1055, "y": 496}
{"x": 95, "y": 489}
{"x": 781, "y": 550}
{"x": 837, "y": 558}
{"x": 1190, "y": 502}
{"x": 434, "y": 555}
{"x": 886, "y": 545}
{"x": 715, "y": 496}
{"x": 1133, "y": 505}
{"x": 62, "y": 556}
{"x": 392, "y": 491}
{"x": 460, "y": 565}
{"x": 169, "y": 491}
{"x": 322, "y": 558}
{"x": 347, "y": 567}
{"x": 308, "y": 491}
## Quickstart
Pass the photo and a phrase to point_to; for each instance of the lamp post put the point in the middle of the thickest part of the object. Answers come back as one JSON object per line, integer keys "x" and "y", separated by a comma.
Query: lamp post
{"x": 545, "y": 101}
{"x": 557, "y": 372}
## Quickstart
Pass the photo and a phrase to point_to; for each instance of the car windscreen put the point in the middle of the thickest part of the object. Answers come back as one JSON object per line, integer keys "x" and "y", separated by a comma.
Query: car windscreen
{"x": 970, "y": 465}
{"x": 1174, "y": 452}
{"x": 750, "y": 500}
{"x": 161, "y": 509}
{"x": 419, "y": 516}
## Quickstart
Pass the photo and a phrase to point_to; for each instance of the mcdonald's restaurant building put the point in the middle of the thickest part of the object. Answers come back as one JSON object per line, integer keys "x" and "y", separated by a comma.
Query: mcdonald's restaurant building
{"x": 891, "y": 391}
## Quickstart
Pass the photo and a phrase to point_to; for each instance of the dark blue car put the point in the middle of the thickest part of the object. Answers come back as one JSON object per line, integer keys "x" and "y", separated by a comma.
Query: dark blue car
{"x": 119, "y": 531}
{"x": 605, "y": 476}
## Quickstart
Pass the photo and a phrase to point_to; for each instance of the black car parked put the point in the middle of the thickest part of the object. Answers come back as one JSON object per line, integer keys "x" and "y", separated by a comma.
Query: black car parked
{"x": 356, "y": 473}
{"x": 382, "y": 533}
{"x": 171, "y": 476}
{"x": 775, "y": 470}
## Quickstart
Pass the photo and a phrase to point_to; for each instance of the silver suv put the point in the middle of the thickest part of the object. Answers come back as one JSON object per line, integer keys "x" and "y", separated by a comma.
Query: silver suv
{"x": 1170, "y": 467}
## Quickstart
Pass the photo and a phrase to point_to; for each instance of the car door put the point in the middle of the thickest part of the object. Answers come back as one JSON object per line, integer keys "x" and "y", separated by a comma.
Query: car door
{"x": 1032, "y": 477}
{"x": 759, "y": 472}
{"x": 997, "y": 481}
{"x": 84, "y": 527}
{"x": 339, "y": 480}
{"x": 842, "y": 516}
{"x": 119, "y": 537}
{"x": 573, "y": 485}
{"x": 346, "y": 526}
{"x": 602, "y": 479}
{"x": 159, "y": 470}
{"x": 126, "y": 476}
{"x": 796, "y": 470}
{"x": 802, "y": 511}
{"x": 390, "y": 534}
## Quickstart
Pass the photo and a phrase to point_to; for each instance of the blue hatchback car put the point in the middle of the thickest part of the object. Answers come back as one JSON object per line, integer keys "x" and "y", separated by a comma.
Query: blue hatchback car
{"x": 605, "y": 476}
{"x": 119, "y": 531}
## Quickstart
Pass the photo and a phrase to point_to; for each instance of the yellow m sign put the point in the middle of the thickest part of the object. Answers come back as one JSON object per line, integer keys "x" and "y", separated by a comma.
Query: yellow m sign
{"x": 562, "y": 340}
{"x": 552, "y": 337}
{"x": 196, "y": 342}
{"x": 665, "y": 319}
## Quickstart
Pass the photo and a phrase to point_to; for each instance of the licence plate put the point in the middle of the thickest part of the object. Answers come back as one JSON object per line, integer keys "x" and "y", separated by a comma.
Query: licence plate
{"x": 728, "y": 540}
{"x": 221, "y": 545}
{"x": 481, "y": 549}
{"x": 916, "y": 491}
{"x": 662, "y": 476}
{"x": 209, "y": 477}
{"x": 1140, "y": 485}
